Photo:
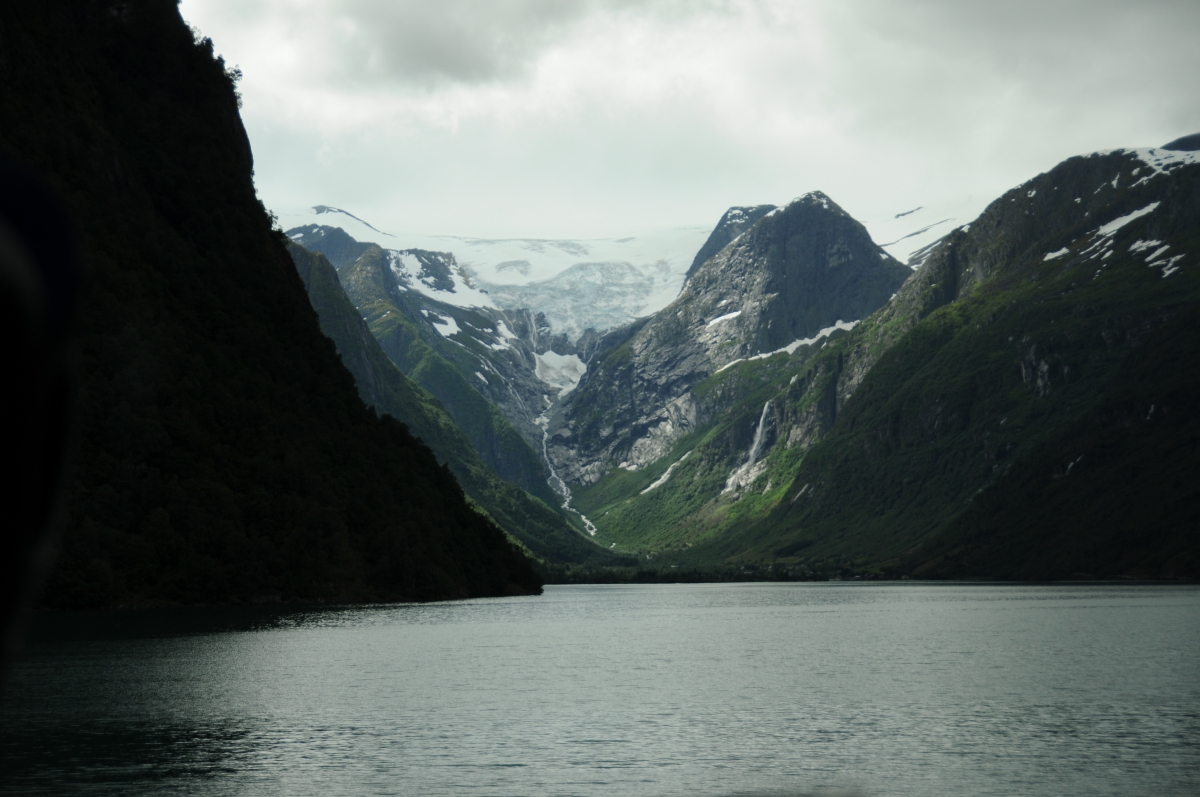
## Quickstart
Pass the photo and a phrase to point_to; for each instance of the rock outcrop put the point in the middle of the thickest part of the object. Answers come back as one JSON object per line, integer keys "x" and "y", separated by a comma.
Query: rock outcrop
{"x": 791, "y": 274}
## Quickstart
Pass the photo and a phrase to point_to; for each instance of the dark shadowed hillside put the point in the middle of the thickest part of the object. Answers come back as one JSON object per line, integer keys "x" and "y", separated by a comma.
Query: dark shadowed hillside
{"x": 384, "y": 386}
{"x": 222, "y": 452}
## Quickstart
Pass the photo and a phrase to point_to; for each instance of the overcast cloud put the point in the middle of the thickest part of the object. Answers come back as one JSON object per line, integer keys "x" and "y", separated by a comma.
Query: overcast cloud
{"x": 579, "y": 118}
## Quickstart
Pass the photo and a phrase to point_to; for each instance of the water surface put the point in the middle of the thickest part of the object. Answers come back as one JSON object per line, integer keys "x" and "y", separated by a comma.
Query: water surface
{"x": 623, "y": 690}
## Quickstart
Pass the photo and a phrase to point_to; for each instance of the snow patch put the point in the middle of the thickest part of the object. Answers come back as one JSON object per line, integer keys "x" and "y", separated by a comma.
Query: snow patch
{"x": 1168, "y": 266}
{"x": 407, "y": 267}
{"x": 795, "y": 344}
{"x": 1116, "y": 224}
{"x": 562, "y": 371}
{"x": 1161, "y": 161}
{"x": 667, "y": 474}
{"x": 905, "y": 235}
{"x": 1157, "y": 252}
{"x": 445, "y": 327}
{"x": 725, "y": 317}
{"x": 482, "y": 378}
{"x": 1059, "y": 253}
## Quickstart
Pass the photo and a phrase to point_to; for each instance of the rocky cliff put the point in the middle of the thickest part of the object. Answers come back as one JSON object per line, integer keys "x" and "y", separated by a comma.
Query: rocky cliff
{"x": 794, "y": 275}
{"x": 988, "y": 421}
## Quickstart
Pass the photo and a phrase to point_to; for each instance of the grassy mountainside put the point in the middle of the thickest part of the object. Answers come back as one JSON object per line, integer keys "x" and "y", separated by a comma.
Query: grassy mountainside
{"x": 1022, "y": 408}
{"x": 390, "y": 319}
{"x": 222, "y": 451}
{"x": 1002, "y": 423}
{"x": 641, "y": 512}
{"x": 383, "y": 386}
{"x": 1111, "y": 494}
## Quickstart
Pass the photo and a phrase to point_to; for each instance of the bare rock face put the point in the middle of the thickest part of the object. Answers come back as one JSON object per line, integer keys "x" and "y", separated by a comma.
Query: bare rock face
{"x": 793, "y": 273}
{"x": 733, "y": 223}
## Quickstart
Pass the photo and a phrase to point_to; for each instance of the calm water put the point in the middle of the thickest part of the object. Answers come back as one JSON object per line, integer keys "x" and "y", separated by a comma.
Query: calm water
{"x": 641, "y": 690}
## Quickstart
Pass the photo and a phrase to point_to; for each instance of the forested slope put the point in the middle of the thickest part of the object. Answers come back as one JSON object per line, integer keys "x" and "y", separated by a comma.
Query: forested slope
{"x": 221, "y": 450}
{"x": 384, "y": 386}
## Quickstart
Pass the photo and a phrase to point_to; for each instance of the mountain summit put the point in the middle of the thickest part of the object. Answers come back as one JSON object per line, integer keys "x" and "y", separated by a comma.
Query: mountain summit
{"x": 791, "y": 276}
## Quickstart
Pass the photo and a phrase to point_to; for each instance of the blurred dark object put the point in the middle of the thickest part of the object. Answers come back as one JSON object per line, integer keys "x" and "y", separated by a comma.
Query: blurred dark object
{"x": 38, "y": 285}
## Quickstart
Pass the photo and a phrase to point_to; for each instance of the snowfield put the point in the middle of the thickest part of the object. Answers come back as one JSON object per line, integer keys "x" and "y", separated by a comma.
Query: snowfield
{"x": 909, "y": 233}
{"x": 599, "y": 283}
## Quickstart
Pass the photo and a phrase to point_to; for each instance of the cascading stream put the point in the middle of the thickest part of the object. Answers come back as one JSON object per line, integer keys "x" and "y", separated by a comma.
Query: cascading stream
{"x": 556, "y": 482}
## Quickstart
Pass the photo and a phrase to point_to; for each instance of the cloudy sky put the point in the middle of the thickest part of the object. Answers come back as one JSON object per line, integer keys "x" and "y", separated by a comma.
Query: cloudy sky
{"x": 591, "y": 118}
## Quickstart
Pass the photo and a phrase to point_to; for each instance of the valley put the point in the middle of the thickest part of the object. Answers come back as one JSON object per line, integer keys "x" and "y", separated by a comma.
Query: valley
{"x": 805, "y": 400}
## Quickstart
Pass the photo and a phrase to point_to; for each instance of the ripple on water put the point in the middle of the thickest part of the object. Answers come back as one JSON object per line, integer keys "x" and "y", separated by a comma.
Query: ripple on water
{"x": 698, "y": 689}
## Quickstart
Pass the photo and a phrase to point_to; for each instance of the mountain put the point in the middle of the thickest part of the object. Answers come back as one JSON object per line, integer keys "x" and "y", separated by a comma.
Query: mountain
{"x": 576, "y": 284}
{"x": 462, "y": 350}
{"x": 1021, "y": 408}
{"x": 498, "y": 367}
{"x": 733, "y": 223}
{"x": 222, "y": 452}
{"x": 382, "y": 385}
{"x": 796, "y": 275}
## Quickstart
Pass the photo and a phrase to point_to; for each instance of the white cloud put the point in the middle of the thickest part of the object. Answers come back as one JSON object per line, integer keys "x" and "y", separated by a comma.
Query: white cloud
{"x": 581, "y": 117}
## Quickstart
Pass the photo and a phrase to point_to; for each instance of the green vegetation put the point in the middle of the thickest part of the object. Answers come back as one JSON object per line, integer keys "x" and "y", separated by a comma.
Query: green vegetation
{"x": 959, "y": 455}
{"x": 690, "y": 506}
{"x": 390, "y": 319}
{"x": 541, "y": 530}
{"x": 222, "y": 452}
{"x": 1005, "y": 416}
{"x": 1109, "y": 493}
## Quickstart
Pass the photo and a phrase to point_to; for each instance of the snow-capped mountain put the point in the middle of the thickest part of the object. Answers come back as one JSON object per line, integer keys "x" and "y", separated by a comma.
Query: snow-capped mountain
{"x": 720, "y": 428}
{"x": 576, "y": 285}
{"x": 796, "y": 276}
{"x": 1024, "y": 405}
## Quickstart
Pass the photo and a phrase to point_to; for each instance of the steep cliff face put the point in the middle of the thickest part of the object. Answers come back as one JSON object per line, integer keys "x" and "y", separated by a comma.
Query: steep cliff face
{"x": 541, "y": 529}
{"x": 432, "y": 343}
{"x": 795, "y": 275}
{"x": 222, "y": 452}
{"x": 999, "y": 377}
{"x": 1001, "y": 416}
{"x": 733, "y": 223}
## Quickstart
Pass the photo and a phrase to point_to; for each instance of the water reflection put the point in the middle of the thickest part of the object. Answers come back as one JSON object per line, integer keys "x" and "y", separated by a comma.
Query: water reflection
{"x": 701, "y": 689}
{"x": 111, "y": 757}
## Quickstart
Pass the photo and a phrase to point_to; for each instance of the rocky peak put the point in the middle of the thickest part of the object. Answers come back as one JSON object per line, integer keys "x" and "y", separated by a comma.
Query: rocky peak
{"x": 794, "y": 272}
{"x": 733, "y": 223}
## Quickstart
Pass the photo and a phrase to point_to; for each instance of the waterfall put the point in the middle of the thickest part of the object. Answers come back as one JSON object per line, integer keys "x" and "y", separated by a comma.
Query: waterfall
{"x": 556, "y": 482}
{"x": 756, "y": 446}
{"x": 742, "y": 475}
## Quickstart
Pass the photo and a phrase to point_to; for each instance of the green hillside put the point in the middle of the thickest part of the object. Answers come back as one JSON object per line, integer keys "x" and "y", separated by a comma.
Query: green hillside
{"x": 383, "y": 386}
{"x": 493, "y": 436}
{"x": 1022, "y": 408}
{"x": 1009, "y": 432}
